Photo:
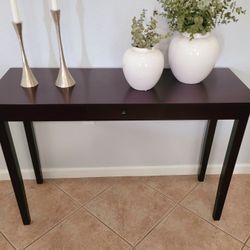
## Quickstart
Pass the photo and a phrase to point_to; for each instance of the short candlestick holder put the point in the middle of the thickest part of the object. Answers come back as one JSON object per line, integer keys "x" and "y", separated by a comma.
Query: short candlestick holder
{"x": 28, "y": 79}
{"x": 64, "y": 79}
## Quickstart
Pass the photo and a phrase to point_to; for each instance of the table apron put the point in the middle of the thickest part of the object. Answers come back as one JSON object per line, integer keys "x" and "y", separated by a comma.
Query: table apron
{"x": 109, "y": 112}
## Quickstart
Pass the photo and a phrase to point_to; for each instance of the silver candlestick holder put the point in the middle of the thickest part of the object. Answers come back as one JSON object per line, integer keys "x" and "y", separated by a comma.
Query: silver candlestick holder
{"x": 28, "y": 79}
{"x": 64, "y": 79}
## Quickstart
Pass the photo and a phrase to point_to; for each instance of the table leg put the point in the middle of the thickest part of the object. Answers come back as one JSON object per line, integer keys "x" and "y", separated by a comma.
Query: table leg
{"x": 229, "y": 164}
{"x": 207, "y": 145}
{"x": 14, "y": 171}
{"x": 31, "y": 138}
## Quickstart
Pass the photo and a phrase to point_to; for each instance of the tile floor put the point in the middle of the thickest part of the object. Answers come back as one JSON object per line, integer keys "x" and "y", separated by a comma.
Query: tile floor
{"x": 151, "y": 213}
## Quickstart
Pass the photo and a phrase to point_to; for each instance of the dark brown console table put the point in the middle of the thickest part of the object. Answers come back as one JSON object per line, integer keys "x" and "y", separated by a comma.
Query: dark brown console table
{"x": 103, "y": 94}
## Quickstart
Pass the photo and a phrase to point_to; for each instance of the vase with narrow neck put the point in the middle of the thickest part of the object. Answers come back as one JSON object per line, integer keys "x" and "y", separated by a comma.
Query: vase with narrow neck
{"x": 143, "y": 67}
{"x": 192, "y": 59}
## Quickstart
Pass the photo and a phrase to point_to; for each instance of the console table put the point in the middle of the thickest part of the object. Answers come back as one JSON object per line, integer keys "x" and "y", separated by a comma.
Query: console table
{"x": 103, "y": 94}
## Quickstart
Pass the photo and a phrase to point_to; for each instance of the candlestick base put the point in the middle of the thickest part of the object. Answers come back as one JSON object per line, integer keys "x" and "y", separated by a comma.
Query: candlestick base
{"x": 28, "y": 79}
{"x": 64, "y": 79}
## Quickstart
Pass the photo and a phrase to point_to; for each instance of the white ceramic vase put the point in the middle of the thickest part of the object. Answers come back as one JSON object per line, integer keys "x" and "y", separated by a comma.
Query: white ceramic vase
{"x": 191, "y": 61}
{"x": 143, "y": 67}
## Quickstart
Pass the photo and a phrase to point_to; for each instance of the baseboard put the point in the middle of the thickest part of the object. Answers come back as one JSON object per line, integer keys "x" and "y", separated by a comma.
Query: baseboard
{"x": 124, "y": 171}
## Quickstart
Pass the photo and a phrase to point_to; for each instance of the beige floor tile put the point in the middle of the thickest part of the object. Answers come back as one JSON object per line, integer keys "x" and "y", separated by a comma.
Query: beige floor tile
{"x": 174, "y": 187}
{"x": 48, "y": 205}
{"x": 130, "y": 208}
{"x": 236, "y": 216}
{"x": 184, "y": 230}
{"x": 5, "y": 188}
{"x": 4, "y": 244}
{"x": 85, "y": 189}
{"x": 81, "y": 231}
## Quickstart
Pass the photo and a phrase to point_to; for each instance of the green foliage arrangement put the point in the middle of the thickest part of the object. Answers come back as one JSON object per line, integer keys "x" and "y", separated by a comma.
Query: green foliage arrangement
{"x": 199, "y": 16}
{"x": 144, "y": 35}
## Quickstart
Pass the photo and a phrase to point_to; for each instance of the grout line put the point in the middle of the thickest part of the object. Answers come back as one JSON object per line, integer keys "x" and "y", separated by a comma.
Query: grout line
{"x": 171, "y": 199}
{"x": 65, "y": 192}
{"x": 214, "y": 225}
{"x": 185, "y": 196}
{"x": 8, "y": 240}
{"x": 158, "y": 191}
{"x": 158, "y": 222}
{"x": 80, "y": 206}
{"x": 165, "y": 216}
{"x": 55, "y": 225}
{"x": 176, "y": 203}
{"x": 245, "y": 244}
{"x": 173, "y": 203}
{"x": 247, "y": 240}
{"x": 83, "y": 205}
{"x": 48, "y": 182}
{"x": 79, "y": 203}
{"x": 88, "y": 211}
{"x": 179, "y": 203}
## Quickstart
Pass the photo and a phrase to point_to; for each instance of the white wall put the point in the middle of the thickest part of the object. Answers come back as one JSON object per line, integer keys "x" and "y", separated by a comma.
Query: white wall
{"x": 96, "y": 34}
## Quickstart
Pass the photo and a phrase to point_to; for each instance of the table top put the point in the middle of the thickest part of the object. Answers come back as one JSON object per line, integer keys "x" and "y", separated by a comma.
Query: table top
{"x": 96, "y": 87}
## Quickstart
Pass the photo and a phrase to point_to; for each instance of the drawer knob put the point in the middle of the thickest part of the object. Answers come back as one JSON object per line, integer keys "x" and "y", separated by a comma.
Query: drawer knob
{"x": 124, "y": 112}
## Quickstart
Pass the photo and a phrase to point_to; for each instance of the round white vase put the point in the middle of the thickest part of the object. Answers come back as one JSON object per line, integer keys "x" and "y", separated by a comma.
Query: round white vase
{"x": 191, "y": 61}
{"x": 143, "y": 67}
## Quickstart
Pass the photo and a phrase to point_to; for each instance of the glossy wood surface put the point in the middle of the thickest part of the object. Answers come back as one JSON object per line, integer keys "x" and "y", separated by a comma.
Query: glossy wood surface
{"x": 104, "y": 94}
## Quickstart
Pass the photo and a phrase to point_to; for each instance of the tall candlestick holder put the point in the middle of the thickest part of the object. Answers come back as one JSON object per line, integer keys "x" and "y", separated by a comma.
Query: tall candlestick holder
{"x": 28, "y": 79}
{"x": 64, "y": 79}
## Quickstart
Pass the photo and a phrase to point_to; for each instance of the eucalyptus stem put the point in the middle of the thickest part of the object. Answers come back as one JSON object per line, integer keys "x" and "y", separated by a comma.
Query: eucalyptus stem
{"x": 144, "y": 35}
{"x": 199, "y": 16}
